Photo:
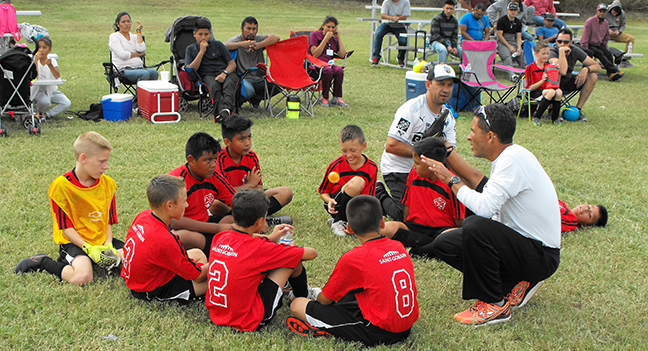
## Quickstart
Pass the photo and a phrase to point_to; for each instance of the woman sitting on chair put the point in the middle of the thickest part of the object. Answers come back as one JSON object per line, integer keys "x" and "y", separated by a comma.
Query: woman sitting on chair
{"x": 128, "y": 49}
{"x": 324, "y": 44}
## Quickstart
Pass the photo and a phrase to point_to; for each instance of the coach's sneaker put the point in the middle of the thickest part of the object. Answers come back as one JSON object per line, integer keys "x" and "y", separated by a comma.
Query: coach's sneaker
{"x": 338, "y": 228}
{"x": 31, "y": 264}
{"x": 312, "y": 294}
{"x": 285, "y": 219}
{"x": 522, "y": 293}
{"x": 482, "y": 313}
{"x": 303, "y": 328}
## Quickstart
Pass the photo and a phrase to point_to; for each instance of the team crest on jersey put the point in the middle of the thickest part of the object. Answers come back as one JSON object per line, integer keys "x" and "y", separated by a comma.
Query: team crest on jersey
{"x": 403, "y": 126}
{"x": 95, "y": 216}
{"x": 209, "y": 199}
{"x": 440, "y": 203}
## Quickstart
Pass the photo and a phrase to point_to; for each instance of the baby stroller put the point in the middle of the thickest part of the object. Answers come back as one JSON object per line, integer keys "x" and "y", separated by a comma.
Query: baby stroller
{"x": 18, "y": 71}
{"x": 180, "y": 35}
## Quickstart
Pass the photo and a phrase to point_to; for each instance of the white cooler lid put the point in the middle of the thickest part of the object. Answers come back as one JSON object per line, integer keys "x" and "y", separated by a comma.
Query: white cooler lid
{"x": 416, "y": 76}
{"x": 117, "y": 97}
{"x": 156, "y": 85}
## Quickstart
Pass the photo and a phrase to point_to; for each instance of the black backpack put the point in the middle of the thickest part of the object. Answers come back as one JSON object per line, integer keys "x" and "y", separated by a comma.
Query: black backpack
{"x": 95, "y": 113}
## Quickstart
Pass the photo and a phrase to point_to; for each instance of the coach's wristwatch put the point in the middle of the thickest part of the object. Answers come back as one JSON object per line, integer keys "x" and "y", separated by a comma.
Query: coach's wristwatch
{"x": 454, "y": 180}
{"x": 226, "y": 73}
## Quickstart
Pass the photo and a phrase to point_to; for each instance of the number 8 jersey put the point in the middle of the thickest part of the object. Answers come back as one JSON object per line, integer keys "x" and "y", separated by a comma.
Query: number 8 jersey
{"x": 381, "y": 275}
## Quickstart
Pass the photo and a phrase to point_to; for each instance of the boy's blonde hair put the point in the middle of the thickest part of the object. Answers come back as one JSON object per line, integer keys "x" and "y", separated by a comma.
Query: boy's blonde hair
{"x": 163, "y": 188}
{"x": 541, "y": 44}
{"x": 90, "y": 143}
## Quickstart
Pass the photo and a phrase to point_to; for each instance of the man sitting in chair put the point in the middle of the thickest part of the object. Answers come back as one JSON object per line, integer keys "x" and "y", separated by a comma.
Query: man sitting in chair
{"x": 214, "y": 64}
{"x": 475, "y": 26}
{"x": 249, "y": 46}
{"x": 443, "y": 33}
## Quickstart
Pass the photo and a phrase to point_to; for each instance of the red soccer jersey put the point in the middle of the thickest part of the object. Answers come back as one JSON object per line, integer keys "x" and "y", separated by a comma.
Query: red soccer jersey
{"x": 153, "y": 255}
{"x": 237, "y": 265}
{"x": 568, "y": 221}
{"x": 431, "y": 203}
{"x": 533, "y": 74}
{"x": 201, "y": 195}
{"x": 381, "y": 275}
{"x": 368, "y": 171}
{"x": 236, "y": 174}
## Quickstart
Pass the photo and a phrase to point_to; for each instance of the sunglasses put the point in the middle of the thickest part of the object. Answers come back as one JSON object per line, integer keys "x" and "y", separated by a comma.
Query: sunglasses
{"x": 559, "y": 41}
{"x": 482, "y": 111}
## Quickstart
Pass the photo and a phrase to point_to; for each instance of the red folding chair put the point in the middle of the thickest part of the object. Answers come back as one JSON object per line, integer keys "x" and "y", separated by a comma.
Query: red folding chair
{"x": 286, "y": 71}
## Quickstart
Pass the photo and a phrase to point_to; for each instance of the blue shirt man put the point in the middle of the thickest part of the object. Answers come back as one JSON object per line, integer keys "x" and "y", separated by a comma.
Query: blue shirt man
{"x": 475, "y": 26}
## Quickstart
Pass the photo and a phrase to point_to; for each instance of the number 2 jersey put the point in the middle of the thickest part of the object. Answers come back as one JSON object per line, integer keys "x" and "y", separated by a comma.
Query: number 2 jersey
{"x": 381, "y": 275}
{"x": 238, "y": 263}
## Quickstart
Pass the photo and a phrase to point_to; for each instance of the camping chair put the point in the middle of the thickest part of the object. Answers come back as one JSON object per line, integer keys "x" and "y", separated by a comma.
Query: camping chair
{"x": 480, "y": 55}
{"x": 287, "y": 72}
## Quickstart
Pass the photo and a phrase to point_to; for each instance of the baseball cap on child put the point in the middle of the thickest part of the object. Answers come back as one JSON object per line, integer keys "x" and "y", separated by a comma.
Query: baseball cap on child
{"x": 513, "y": 6}
{"x": 442, "y": 72}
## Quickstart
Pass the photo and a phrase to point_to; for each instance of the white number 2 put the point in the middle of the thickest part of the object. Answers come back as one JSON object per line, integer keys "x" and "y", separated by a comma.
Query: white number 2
{"x": 218, "y": 275}
{"x": 404, "y": 292}
{"x": 129, "y": 251}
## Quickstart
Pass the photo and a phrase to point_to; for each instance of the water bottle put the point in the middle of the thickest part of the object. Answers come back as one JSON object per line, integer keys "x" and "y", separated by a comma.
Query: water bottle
{"x": 420, "y": 26}
{"x": 630, "y": 48}
{"x": 469, "y": 67}
{"x": 287, "y": 239}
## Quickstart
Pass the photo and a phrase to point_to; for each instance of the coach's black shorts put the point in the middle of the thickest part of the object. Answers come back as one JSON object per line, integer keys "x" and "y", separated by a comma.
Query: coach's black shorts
{"x": 271, "y": 295}
{"x": 344, "y": 320}
{"x": 176, "y": 289}
{"x": 68, "y": 252}
{"x": 569, "y": 84}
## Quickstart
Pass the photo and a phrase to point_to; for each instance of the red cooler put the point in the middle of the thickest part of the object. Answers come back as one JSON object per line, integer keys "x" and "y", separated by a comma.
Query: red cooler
{"x": 158, "y": 101}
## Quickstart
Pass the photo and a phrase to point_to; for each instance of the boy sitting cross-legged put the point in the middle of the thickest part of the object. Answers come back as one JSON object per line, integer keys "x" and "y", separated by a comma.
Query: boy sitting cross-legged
{"x": 240, "y": 165}
{"x": 83, "y": 210}
{"x": 156, "y": 266}
{"x": 371, "y": 295}
{"x": 209, "y": 195}
{"x": 247, "y": 271}
{"x": 430, "y": 206}
{"x": 349, "y": 175}
{"x": 539, "y": 84}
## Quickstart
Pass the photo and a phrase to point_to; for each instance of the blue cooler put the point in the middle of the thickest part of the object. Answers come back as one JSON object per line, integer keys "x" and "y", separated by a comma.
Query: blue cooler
{"x": 415, "y": 84}
{"x": 117, "y": 107}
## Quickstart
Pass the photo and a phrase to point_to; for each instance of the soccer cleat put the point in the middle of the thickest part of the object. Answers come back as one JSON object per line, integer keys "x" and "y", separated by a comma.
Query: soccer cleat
{"x": 522, "y": 293}
{"x": 338, "y": 228}
{"x": 374, "y": 62}
{"x": 559, "y": 121}
{"x": 285, "y": 219}
{"x": 312, "y": 294}
{"x": 536, "y": 121}
{"x": 482, "y": 313}
{"x": 324, "y": 103}
{"x": 303, "y": 328}
{"x": 31, "y": 264}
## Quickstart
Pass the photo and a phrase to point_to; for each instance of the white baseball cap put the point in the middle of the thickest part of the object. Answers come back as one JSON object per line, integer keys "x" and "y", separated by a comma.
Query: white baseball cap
{"x": 442, "y": 72}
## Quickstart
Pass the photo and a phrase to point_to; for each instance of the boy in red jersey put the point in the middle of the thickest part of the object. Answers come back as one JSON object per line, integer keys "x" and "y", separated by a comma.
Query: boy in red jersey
{"x": 371, "y": 295}
{"x": 538, "y": 81}
{"x": 156, "y": 266}
{"x": 209, "y": 195}
{"x": 581, "y": 216}
{"x": 83, "y": 210}
{"x": 347, "y": 176}
{"x": 430, "y": 206}
{"x": 247, "y": 270}
{"x": 240, "y": 165}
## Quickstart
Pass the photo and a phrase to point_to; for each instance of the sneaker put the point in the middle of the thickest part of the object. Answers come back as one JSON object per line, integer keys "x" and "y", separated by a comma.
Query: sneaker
{"x": 401, "y": 63}
{"x": 626, "y": 64}
{"x": 339, "y": 227}
{"x": 31, "y": 264}
{"x": 325, "y": 103}
{"x": 581, "y": 116}
{"x": 285, "y": 219}
{"x": 482, "y": 313}
{"x": 616, "y": 76}
{"x": 312, "y": 294}
{"x": 303, "y": 328}
{"x": 559, "y": 121}
{"x": 339, "y": 102}
{"x": 374, "y": 62}
{"x": 536, "y": 121}
{"x": 522, "y": 293}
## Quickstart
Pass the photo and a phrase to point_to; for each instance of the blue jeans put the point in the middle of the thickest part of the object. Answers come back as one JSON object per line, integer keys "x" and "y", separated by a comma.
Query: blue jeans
{"x": 527, "y": 36}
{"x": 442, "y": 51}
{"x": 135, "y": 75}
{"x": 539, "y": 21}
{"x": 382, "y": 30}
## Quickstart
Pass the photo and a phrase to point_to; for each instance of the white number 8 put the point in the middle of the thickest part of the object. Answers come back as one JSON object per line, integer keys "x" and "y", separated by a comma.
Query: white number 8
{"x": 404, "y": 292}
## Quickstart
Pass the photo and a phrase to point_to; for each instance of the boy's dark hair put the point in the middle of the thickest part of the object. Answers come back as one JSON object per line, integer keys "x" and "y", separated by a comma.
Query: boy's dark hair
{"x": 364, "y": 214}
{"x": 433, "y": 147}
{"x": 603, "y": 216}
{"x": 481, "y": 6}
{"x": 541, "y": 44}
{"x": 501, "y": 119}
{"x": 45, "y": 40}
{"x": 449, "y": 2}
{"x": 352, "y": 132}
{"x": 248, "y": 205}
{"x": 202, "y": 23}
{"x": 233, "y": 125}
{"x": 568, "y": 32}
{"x": 249, "y": 20}
{"x": 163, "y": 188}
{"x": 200, "y": 143}
{"x": 119, "y": 16}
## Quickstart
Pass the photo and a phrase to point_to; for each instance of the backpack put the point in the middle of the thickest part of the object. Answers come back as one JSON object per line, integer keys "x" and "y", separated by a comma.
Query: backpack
{"x": 95, "y": 113}
{"x": 187, "y": 84}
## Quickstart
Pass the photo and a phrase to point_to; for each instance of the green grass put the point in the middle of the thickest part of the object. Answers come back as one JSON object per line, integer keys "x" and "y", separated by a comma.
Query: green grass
{"x": 595, "y": 300}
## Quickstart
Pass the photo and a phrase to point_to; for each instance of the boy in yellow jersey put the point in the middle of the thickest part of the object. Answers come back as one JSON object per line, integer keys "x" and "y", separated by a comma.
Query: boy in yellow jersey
{"x": 83, "y": 210}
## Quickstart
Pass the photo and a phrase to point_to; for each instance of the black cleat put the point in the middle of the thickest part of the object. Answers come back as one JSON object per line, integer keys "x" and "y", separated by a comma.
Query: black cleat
{"x": 279, "y": 220}
{"x": 31, "y": 264}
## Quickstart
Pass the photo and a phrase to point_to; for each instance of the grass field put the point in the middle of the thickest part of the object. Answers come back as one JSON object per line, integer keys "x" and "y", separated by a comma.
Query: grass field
{"x": 596, "y": 299}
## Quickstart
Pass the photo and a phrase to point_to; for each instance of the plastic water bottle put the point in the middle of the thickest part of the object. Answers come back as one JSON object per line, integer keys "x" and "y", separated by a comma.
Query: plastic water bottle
{"x": 630, "y": 48}
{"x": 287, "y": 239}
{"x": 469, "y": 67}
{"x": 420, "y": 26}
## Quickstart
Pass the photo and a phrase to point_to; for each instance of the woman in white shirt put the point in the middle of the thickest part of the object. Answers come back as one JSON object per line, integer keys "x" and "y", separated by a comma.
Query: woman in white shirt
{"x": 128, "y": 49}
